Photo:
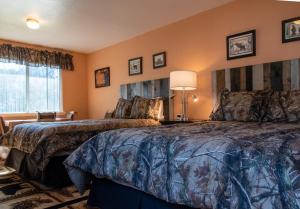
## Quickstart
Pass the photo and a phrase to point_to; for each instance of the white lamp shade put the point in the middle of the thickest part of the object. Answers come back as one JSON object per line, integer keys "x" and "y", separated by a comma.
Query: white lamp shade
{"x": 183, "y": 80}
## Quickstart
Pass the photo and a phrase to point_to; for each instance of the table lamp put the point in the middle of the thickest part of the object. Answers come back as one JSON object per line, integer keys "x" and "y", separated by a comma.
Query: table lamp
{"x": 183, "y": 80}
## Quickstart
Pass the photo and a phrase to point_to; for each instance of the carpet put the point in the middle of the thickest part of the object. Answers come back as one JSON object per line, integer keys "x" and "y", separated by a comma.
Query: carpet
{"x": 18, "y": 193}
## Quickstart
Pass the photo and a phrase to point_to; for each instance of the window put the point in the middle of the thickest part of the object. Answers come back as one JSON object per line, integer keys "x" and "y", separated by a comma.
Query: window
{"x": 29, "y": 89}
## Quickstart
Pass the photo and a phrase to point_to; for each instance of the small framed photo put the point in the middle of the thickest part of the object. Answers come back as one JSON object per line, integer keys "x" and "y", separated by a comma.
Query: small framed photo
{"x": 241, "y": 45}
{"x": 159, "y": 60}
{"x": 135, "y": 66}
{"x": 102, "y": 77}
{"x": 291, "y": 30}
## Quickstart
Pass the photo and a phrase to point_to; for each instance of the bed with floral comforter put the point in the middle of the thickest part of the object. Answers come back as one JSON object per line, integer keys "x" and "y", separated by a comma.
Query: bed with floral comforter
{"x": 212, "y": 164}
{"x": 43, "y": 140}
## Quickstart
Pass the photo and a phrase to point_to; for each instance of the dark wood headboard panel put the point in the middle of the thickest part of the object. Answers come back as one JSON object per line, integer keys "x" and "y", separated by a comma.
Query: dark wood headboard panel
{"x": 150, "y": 89}
{"x": 282, "y": 75}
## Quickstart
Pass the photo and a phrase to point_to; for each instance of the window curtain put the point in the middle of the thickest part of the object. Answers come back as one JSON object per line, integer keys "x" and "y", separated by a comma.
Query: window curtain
{"x": 35, "y": 58}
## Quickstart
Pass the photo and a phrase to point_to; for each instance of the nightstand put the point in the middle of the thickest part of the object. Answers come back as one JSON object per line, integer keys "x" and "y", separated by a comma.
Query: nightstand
{"x": 170, "y": 122}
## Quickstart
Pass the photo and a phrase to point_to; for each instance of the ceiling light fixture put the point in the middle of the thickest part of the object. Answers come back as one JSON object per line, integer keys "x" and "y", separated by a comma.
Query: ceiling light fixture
{"x": 32, "y": 24}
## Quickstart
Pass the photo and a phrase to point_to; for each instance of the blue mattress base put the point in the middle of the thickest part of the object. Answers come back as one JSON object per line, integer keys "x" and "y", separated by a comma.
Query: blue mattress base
{"x": 106, "y": 194}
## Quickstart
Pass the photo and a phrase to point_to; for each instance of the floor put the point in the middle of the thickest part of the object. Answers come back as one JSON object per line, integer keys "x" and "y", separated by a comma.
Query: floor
{"x": 18, "y": 193}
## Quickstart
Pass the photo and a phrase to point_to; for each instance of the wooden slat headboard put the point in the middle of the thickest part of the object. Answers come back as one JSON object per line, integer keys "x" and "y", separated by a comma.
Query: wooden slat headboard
{"x": 150, "y": 89}
{"x": 279, "y": 76}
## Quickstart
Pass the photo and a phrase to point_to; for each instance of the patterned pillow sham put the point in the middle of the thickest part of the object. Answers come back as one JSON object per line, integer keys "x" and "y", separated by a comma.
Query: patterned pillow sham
{"x": 155, "y": 108}
{"x": 290, "y": 102}
{"x": 143, "y": 108}
{"x": 241, "y": 106}
{"x": 234, "y": 106}
{"x": 275, "y": 111}
{"x": 265, "y": 106}
{"x": 123, "y": 108}
{"x": 109, "y": 115}
{"x": 284, "y": 106}
{"x": 139, "y": 108}
{"x": 260, "y": 104}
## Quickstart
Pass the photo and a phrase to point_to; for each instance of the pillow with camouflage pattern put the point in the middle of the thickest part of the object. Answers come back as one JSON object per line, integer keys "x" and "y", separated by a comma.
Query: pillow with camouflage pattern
{"x": 123, "y": 109}
{"x": 241, "y": 106}
{"x": 283, "y": 106}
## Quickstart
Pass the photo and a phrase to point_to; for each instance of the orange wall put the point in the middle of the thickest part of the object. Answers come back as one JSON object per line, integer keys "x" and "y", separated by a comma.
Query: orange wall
{"x": 74, "y": 84}
{"x": 196, "y": 43}
{"x": 75, "y": 95}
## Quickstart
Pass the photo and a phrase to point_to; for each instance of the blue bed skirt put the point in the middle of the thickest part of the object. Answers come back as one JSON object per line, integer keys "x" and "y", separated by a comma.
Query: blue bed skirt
{"x": 106, "y": 194}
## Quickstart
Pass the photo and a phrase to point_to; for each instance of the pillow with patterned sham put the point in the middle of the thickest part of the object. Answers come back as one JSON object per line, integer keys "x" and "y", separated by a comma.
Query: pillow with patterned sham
{"x": 123, "y": 109}
{"x": 274, "y": 111}
{"x": 155, "y": 108}
{"x": 241, "y": 106}
{"x": 217, "y": 113}
{"x": 290, "y": 101}
{"x": 109, "y": 115}
{"x": 283, "y": 106}
{"x": 140, "y": 108}
{"x": 237, "y": 106}
{"x": 260, "y": 104}
{"x": 234, "y": 106}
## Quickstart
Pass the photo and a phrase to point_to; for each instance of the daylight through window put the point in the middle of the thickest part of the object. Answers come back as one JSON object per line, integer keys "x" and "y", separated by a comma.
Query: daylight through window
{"x": 29, "y": 89}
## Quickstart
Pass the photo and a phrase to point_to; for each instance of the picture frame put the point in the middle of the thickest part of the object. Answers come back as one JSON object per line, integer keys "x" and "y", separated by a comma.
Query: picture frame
{"x": 291, "y": 30}
{"x": 102, "y": 77}
{"x": 159, "y": 60}
{"x": 241, "y": 45}
{"x": 135, "y": 66}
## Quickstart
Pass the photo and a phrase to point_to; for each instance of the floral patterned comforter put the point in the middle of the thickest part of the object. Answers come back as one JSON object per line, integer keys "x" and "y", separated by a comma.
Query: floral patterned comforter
{"x": 43, "y": 140}
{"x": 208, "y": 165}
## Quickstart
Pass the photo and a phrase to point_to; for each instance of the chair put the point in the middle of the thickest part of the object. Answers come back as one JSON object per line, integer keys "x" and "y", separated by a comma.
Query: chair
{"x": 71, "y": 115}
{"x": 3, "y": 129}
{"x": 46, "y": 116}
{"x": 4, "y": 132}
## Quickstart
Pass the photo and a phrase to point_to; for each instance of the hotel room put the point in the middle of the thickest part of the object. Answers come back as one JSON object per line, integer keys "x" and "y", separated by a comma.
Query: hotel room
{"x": 150, "y": 104}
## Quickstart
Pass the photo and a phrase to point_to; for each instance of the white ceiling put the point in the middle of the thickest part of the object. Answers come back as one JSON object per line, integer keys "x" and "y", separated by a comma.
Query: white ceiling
{"x": 89, "y": 25}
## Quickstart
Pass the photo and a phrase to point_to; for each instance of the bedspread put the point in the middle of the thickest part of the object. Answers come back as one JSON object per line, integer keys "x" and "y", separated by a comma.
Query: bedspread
{"x": 45, "y": 139}
{"x": 208, "y": 165}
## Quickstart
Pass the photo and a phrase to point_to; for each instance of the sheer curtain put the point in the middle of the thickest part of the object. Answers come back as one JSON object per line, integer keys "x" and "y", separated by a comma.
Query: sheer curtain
{"x": 29, "y": 89}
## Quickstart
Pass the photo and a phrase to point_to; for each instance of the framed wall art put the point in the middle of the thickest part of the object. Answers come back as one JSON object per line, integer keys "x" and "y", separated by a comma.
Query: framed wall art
{"x": 102, "y": 77}
{"x": 241, "y": 45}
{"x": 291, "y": 30}
{"x": 159, "y": 60}
{"x": 135, "y": 66}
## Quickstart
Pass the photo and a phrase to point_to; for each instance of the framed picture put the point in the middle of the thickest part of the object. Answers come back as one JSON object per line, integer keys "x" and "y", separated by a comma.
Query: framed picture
{"x": 159, "y": 60}
{"x": 241, "y": 45}
{"x": 135, "y": 66}
{"x": 102, "y": 77}
{"x": 291, "y": 30}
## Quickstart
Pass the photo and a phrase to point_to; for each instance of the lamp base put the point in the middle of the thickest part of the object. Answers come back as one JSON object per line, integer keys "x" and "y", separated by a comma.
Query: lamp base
{"x": 179, "y": 117}
{"x": 184, "y": 119}
{"x": 184, "y": 103}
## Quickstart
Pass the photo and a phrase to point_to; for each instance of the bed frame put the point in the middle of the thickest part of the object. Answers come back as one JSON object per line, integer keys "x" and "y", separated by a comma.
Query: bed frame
{"x": 279, "y": 76}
